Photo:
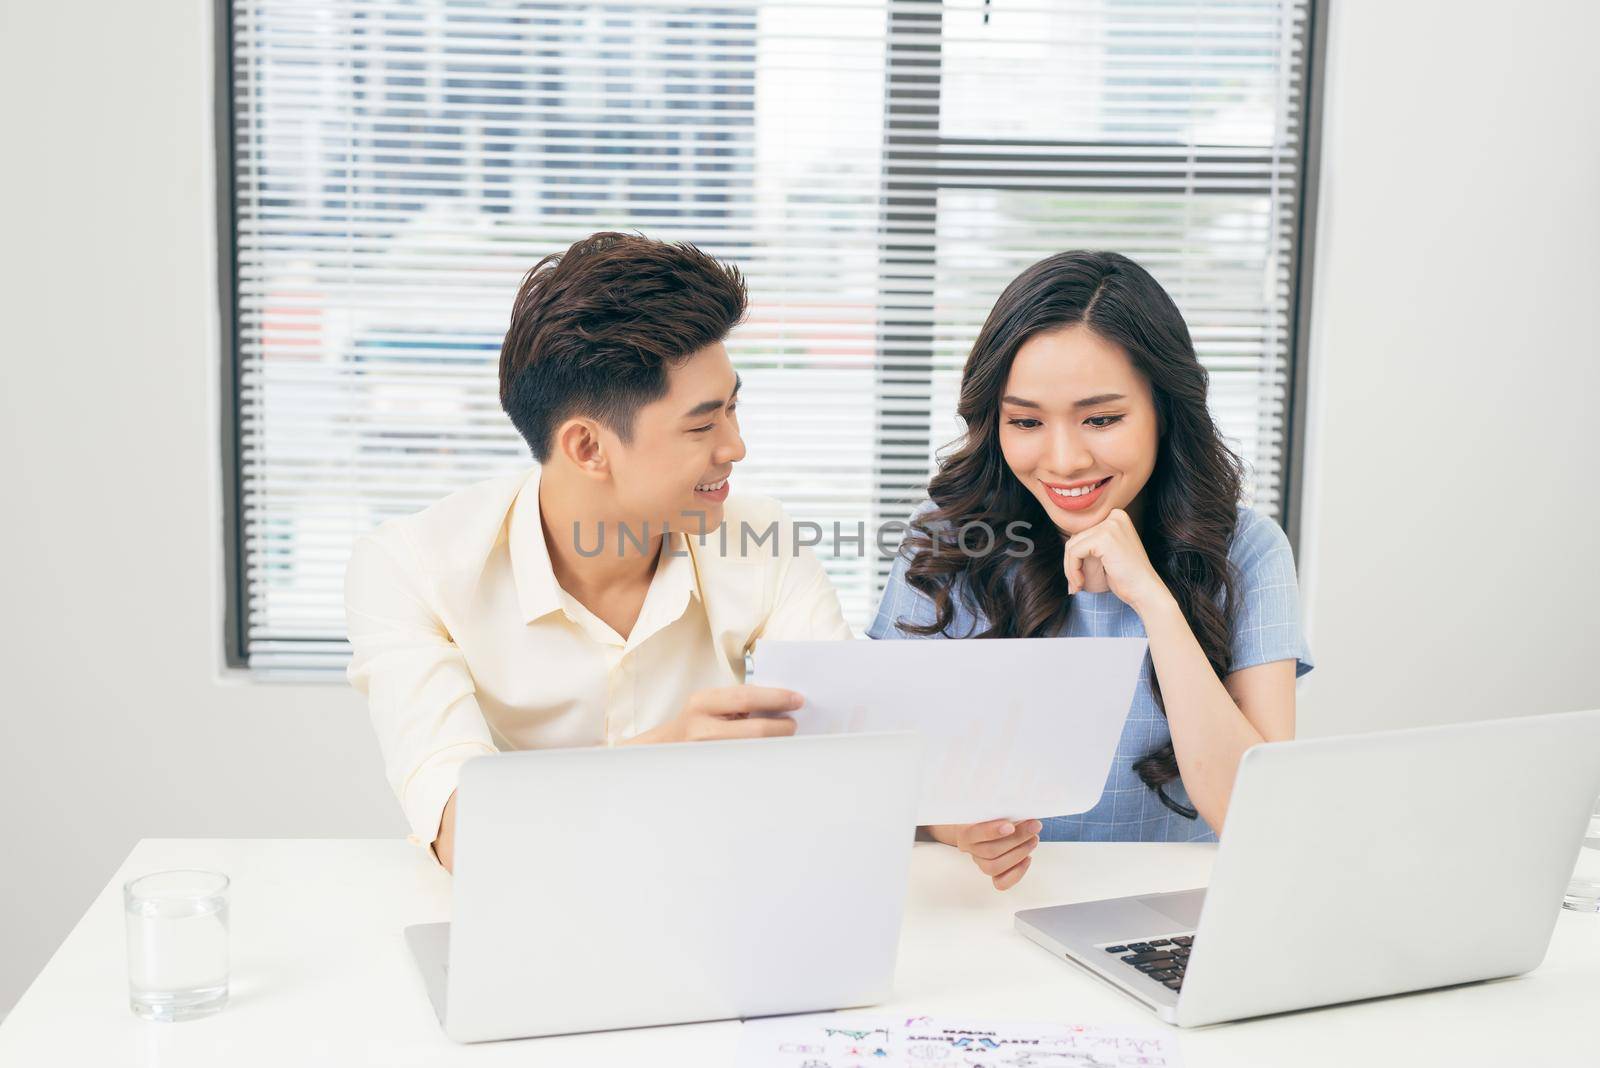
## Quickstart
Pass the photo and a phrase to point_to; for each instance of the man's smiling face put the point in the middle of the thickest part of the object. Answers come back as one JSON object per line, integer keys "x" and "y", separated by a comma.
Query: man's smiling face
{"x": 676, "y": 466}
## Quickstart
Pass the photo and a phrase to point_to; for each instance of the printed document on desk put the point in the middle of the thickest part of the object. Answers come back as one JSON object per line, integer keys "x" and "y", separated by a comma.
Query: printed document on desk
{"x": 848, "y": 1040}
{"x": 1012, "y": 728}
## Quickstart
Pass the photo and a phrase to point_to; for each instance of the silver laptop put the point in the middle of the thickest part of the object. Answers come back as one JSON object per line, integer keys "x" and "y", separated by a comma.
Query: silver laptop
{"x": 609, "y": 888}
{"x": 1358, "y": 867}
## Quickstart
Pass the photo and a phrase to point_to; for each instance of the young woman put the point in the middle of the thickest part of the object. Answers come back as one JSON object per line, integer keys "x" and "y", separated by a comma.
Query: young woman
{"x": 1088, "y": 435}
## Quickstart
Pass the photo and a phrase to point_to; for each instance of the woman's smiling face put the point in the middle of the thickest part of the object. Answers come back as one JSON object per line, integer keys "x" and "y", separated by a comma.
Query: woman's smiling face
{"x": 1078, "y": 426}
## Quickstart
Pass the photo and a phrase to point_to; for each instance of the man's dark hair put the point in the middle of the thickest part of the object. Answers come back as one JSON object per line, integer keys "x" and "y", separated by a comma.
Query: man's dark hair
{"x": 595, "y": 328}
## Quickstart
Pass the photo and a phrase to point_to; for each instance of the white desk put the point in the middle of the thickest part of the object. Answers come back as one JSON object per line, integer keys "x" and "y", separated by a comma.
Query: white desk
{"x": 321, "y": 975}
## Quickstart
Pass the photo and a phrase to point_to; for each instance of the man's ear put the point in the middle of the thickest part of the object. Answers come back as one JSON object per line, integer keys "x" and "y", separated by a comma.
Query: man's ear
{"x": 579, "y": 440}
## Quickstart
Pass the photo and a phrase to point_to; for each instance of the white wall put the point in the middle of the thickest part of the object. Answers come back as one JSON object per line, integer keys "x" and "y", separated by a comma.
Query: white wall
{"x": 1461, "y": 208}
{"x": 1454, "y": 516}
{"x": 115, "y": 725}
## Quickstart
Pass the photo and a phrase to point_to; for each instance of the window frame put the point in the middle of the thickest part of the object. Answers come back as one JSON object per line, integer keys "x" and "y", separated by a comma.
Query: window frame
{"x": 906, "y": 252}
{"x": 235, "y": 615}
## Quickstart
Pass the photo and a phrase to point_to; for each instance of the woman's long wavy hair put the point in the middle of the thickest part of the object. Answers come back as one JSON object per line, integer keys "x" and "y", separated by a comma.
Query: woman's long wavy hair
{"x": 1188, "y": 505}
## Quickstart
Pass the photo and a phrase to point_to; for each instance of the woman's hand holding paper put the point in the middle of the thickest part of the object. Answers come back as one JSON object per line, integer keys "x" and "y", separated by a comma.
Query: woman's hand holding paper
{"x": 1002, "y": 849}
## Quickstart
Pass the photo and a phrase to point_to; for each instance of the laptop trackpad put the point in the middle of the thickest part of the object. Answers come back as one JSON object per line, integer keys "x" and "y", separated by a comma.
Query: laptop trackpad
{"x": 1183, "y": 907}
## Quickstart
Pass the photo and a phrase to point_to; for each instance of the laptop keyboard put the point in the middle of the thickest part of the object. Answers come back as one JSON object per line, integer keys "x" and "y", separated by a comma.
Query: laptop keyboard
{"x": 1162, "y": 959}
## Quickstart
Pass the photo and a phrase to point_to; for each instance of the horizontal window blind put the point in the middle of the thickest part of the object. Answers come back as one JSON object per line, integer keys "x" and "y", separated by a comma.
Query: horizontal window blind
{"x": 878, "y": 170}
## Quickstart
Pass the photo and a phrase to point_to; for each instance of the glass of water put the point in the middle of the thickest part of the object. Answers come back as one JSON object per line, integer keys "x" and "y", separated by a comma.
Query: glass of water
{"x": 177, "y": 944}
{"x": 1583, "y": 893}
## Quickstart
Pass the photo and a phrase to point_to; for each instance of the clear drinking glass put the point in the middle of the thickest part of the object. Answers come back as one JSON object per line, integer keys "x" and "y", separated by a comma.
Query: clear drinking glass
{"x": 1583, "y": 893}
{"x": 177, "y": 944}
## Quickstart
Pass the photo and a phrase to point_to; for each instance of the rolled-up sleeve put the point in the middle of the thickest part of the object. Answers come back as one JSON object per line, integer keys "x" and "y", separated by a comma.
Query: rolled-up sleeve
{"x": 418, "y": 687}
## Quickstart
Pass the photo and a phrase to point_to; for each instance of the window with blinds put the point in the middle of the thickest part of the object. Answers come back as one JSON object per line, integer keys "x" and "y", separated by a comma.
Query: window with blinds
{"x": 879, "y": 170}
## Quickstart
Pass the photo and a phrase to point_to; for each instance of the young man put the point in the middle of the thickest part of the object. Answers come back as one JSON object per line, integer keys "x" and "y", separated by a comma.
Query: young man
{"x": 592, "y": 600}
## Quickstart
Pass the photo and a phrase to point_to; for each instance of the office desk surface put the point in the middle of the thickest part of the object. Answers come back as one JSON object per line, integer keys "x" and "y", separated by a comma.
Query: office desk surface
{"x": 321, "y": 975}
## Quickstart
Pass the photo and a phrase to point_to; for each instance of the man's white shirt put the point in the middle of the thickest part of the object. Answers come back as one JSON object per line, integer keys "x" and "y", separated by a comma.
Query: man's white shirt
{"x": 465, "y": 644}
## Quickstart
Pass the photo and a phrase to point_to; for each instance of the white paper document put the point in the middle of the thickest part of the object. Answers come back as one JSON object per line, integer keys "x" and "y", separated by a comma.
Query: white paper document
{"x": 835, "y": 1041}
{"x": 1012, "y": 728}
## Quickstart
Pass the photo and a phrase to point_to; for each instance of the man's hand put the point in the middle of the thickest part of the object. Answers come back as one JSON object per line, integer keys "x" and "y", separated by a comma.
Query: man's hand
{"x": 728, "y": 712}
{"x": 1000, "y": 848}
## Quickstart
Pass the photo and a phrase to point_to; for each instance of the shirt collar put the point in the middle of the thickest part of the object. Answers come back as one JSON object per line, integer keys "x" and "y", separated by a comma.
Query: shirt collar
{"x": 538, "y": 593}
{"x": 671, "y": 588}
